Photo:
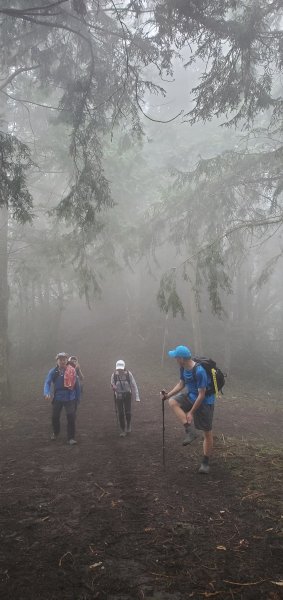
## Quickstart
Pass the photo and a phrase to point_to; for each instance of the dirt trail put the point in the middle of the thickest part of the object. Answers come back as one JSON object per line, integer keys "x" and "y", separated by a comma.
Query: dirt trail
{"x": 105, "y": 520}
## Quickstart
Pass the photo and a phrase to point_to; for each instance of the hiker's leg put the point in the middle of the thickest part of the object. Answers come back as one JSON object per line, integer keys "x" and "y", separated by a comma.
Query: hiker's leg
{"x": 127, "y": 407}
{"x": 180, "y": 406}
{"x": 70, "y": 408}
{"x": 203, "y": 418}
{"x": 121, "y": 416}
{"x": 208, "y": 443}
{"x": 56, "y": 412}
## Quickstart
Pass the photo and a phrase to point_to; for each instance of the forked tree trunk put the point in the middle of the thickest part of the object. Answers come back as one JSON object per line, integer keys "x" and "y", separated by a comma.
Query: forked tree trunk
{"x": 4, "y": 298}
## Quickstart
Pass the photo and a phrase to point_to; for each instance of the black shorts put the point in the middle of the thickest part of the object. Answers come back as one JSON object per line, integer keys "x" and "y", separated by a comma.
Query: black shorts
{"x": 203, "y": 416}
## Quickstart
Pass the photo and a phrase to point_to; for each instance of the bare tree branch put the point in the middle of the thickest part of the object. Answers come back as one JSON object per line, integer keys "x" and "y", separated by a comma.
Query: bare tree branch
{"x": 22, "y": 101}
{"x": 15, "y": 12}
{"x": 276, "y": 220}
{"x": 17, "y": 72}
{"x": 150, "y": 118}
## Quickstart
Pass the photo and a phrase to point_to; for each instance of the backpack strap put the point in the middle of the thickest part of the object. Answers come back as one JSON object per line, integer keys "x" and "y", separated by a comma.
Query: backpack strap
{"x": 209, "y": 390}
{"x": 55, "y": 375}
{"x": 194, "y": 369}
{"x": 213, "y": 373}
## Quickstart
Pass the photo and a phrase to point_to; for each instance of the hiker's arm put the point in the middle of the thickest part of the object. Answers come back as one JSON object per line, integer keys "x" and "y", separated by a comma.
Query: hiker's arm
{"x": 134, "y": 387}
{"x": 78, "y": 389}
{"x": 201, "y": 380}
{"x": 112, "y": 383}
{"x": 178, "y": 388}
{"x": 47, "y": 385}
{"x": 80, "y": 374}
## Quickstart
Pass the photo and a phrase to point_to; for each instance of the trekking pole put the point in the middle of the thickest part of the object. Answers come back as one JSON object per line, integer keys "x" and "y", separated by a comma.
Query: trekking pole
{"x": 116, "y": 410}
{"x": 163, "y": 392}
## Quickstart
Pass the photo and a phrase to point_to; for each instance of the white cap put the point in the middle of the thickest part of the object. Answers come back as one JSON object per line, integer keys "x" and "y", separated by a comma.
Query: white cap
{"x": 120, "y": 364}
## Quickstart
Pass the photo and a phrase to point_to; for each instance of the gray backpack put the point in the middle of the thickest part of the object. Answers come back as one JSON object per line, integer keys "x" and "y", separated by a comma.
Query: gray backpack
{"x": 123, "y": 384}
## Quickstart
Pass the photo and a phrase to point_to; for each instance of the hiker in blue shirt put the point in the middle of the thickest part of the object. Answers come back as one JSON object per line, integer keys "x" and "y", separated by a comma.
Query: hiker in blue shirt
{"x": 196, "y": 404}
{"x": 66, "y": 394}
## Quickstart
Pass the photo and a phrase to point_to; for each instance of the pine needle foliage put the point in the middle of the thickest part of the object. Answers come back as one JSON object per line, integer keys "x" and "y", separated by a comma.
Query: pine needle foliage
{"x": 89, "y": 58}
{"x": 15, "y": 162}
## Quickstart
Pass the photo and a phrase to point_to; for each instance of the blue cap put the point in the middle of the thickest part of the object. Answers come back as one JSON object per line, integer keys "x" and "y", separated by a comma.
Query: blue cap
{"x": 180, "y": 352}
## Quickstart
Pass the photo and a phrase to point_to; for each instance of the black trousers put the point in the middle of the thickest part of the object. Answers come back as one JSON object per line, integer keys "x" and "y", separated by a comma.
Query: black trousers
{"x": 124, "y": 404}
{"x": 70, "y": 408}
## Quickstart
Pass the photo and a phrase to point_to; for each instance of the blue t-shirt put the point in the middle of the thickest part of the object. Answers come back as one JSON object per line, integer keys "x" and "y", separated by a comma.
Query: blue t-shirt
{"x": 193, "y": 384}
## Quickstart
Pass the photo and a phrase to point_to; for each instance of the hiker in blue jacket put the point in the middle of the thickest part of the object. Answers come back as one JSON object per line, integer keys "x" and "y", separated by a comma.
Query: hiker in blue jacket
{"x": 195, "y": 404}
{"x": 66, "y": 394}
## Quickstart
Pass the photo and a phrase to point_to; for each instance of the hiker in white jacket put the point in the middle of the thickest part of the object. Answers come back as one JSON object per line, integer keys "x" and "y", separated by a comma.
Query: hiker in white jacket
{"x": 124, "y": 387}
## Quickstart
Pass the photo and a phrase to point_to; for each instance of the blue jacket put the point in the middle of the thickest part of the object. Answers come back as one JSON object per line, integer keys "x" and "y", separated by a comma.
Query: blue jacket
{"x": 61, "y": 393}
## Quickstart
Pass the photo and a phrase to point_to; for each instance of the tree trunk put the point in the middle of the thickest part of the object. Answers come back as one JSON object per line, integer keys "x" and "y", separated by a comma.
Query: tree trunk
{"x": 196, "y": 344}
{"x": 4, "y": 298}
{"x": 165, "y": 334}
{"x": 228, "y": 333}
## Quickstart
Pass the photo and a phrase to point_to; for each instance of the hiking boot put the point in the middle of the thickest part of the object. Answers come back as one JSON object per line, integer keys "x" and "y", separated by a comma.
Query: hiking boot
{"x": 123, "y": 434}
{"x": 204, "y": 468}
{"x": 72, "y": 442}
{"x": 190, "y": 436}
{"x": 128, "y": 429}
{"x": 53, "y": 436}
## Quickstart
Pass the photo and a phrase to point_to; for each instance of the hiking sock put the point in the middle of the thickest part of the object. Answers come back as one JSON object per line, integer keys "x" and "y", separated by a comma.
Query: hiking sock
{"x": 205, "y": 460}
{"x": 187, "y": 427}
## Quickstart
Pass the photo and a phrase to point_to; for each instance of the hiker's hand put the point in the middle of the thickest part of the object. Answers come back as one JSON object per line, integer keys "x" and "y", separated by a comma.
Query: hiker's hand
{"x": 47, "y": 397}
{"x": 163, "y": 395}
{"x": 189, "y": 418}
{"x": 114, "y": 387}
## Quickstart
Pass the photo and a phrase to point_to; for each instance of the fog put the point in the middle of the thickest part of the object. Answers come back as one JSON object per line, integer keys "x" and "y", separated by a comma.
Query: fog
{"x": 144, "y": 211}
{"x": 124, "y": 319}
{"x": 104, "y": 290}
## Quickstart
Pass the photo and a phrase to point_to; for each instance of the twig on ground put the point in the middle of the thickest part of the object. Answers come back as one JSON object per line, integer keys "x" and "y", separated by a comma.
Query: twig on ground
{"x": 104, "y": 492}
{"x": 64, "y": 556}
{"x": 245, "y": 584}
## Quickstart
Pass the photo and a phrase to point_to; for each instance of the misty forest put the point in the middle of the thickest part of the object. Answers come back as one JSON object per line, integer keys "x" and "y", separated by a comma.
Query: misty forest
{"x": 141, "y": 209}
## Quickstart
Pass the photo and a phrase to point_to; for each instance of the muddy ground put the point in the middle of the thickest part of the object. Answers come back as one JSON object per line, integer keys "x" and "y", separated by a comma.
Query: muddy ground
{"x": 107, "y": 520}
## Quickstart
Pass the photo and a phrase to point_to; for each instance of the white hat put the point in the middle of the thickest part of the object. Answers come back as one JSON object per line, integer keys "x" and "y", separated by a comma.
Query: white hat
{"x": 120, "y": 364}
